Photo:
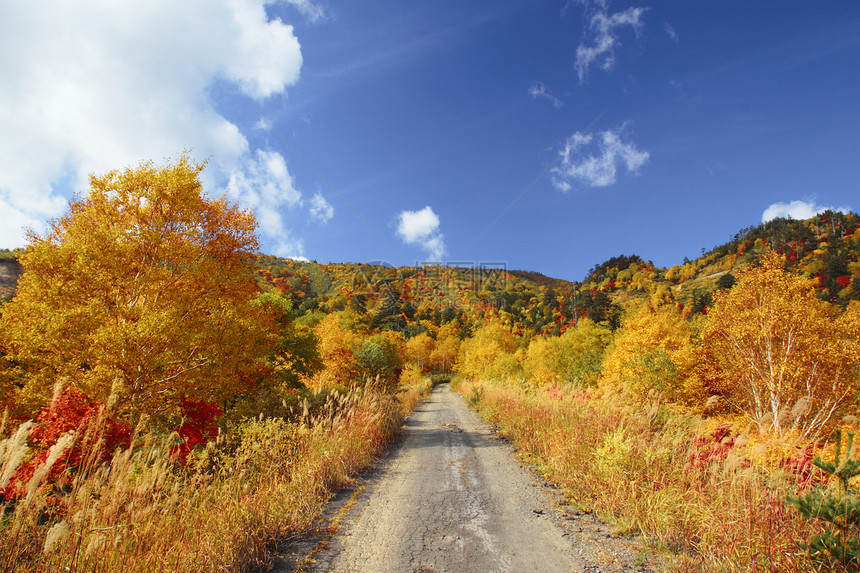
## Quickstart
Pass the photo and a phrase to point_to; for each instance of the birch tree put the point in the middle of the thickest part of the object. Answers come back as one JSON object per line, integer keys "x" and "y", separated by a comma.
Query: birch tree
{"x": 787, "y": 354}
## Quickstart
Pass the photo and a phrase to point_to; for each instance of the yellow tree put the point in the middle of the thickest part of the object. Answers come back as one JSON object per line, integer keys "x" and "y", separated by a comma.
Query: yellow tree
{"x": 489, "y": 353}
{"x": 653, "y": 350}
{"x": 850, "y": 324}
{"x": 145, "y": 287}
{"x": 338, "y": 345}
{"x": 787, "y": 353}
{"x": 447, "y": 347}
{"x": 573, "y": 357}
{"x": 419, "y": 348}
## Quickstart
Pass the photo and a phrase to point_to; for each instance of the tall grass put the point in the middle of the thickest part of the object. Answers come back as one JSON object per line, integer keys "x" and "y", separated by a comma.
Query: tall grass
{"x": 257, "y": 485}
{"x": 706, "y": 500}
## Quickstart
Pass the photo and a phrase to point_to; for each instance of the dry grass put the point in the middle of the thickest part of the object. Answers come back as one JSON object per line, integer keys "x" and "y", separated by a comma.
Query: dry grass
{"x": 228, "y": 510}
{"x": 641, "y": 468}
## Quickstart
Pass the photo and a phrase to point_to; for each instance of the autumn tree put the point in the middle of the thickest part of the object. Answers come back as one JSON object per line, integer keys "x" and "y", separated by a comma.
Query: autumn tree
{"x": 143, "y": 287}
{"x": 788, "y": 353}
{"x": 419, "y": 349}
{"x": 447, "y": 347}
{"x": 294, "y": 356}
{"x": 340, "y": 336}
{"x": 574, "y": 357}
{"x": 489, "y": 353}
{"x": 379, "y": 358}
{"x": 657, "y": 349}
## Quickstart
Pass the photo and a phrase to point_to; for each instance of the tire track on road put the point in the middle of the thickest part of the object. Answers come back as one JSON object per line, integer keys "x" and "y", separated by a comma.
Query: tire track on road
{"x": 450, "y": 498}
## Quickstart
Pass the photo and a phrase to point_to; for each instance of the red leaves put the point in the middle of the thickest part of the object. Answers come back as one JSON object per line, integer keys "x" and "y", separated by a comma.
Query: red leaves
{"x": 713, "y": 448}
{"x": 843, "y": 281}
{"x": 555, "y": 393}
{"x": 196, "y": 428}
{"x": 800, "y": 465}
{"x": 97, "y": 436}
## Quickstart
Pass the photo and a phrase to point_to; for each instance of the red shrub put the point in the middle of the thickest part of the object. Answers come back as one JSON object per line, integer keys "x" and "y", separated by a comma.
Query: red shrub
{"x": 800, "y": 466}
{"x": 96, "y": 438}
{"x": 196, "y": 428}
{"x": 713, "y": 448}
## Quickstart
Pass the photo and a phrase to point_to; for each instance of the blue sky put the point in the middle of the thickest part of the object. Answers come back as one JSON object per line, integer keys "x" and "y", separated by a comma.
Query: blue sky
{"x": 542, "y": 134}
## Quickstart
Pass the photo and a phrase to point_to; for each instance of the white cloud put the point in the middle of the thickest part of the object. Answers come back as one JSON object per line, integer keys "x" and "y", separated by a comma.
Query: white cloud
{"x": 798, "y": 210}
{"x": 290, "y": 249}
{"x": 92, "y": 86}
{"x": 595, "y": 160}
{"x": 320, "y": 209}
{"x": 264, "y": 183}
{"x": 538, "y": 89}
{"x": 422, "y": 228}
{"x": 670, "y": 31}
{"x": 311, "y": 11}
{"x": 602, "y": 37}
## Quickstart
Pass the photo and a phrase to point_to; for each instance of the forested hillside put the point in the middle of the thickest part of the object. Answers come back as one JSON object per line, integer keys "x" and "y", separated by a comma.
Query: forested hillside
{"x": 825, "y": 248}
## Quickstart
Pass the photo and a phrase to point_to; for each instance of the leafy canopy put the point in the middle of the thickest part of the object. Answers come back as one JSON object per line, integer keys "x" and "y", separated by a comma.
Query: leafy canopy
{"x": 144, "y": 286}
{"x": 789, "y": 352}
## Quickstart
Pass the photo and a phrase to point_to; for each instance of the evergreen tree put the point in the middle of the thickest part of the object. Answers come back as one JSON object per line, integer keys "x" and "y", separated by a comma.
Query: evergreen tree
{"x": 836, "y": 549}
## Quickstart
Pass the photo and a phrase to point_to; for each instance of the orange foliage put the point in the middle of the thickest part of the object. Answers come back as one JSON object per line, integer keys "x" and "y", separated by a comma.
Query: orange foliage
{"x": 143, "y": 287}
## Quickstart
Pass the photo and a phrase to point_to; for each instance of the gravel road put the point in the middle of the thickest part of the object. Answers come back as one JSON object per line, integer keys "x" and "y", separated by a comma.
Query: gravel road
{"x": 450, "y": 497}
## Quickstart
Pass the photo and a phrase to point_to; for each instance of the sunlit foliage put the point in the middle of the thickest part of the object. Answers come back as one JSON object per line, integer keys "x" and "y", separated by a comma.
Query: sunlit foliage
{"x": 574, "y": 357}
{"x": 788, "y": 352}
{"x": 144, "y": 286}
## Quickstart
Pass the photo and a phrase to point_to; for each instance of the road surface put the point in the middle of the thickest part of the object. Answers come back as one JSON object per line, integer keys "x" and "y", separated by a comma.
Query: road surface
{"x": 450, "y": 498}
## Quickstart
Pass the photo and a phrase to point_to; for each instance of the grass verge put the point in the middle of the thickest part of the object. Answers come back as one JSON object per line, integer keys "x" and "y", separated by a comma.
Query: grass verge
{"x": 648, "y": 471}
{"x": 258, "y": 484}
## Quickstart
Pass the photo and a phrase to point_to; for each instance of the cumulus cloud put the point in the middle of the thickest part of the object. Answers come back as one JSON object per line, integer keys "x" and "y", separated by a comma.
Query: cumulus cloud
{"x": 264, "y": 183}
{"x": 602, "y": 36}
{"x": 290, "y": 248}
{"x": 797, "y": 210}
{"x": 90, "y": 86}
{"x": 538, "y": 89}
{"x": 320, "y": 209}
{"x": 422, "y": 228}
{"x": 595, "y": 160}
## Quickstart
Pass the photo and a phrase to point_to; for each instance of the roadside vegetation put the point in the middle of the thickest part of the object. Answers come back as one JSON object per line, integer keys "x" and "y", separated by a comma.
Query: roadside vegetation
{"x": 159, "y": 411}
{"x": 699, "y": 435}
{"x": 175, "y": 400}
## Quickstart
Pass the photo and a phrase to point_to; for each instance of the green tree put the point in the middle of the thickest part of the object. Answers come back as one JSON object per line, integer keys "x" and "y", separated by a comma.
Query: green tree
{"x": 838, "y": 508}
{"x": 379, "y": 356}
{"x": 726, "y": 281}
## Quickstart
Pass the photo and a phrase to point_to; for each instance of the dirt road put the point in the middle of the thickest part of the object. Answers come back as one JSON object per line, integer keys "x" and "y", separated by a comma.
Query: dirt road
{"x": 450, "y": 497}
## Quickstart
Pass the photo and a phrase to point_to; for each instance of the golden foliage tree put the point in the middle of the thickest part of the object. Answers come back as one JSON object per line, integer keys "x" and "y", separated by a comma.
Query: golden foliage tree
{"x": 338, "y": 346}
{"x": 144, "y": 286}
{"x": 850, "y": 322}
{"x": 489, "y": 353}
{"x": 787, "y": 353}
{"x": 419, "y": 349}
{"x": 653, "y": 350}
{"x": 447, "y": 347}
{"x": 573, "y": 357}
